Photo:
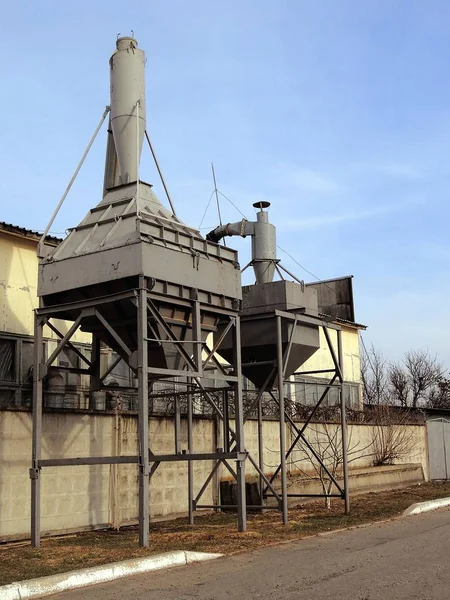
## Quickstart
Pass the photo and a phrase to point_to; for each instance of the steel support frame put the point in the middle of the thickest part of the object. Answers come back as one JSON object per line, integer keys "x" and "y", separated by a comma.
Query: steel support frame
{"x": 193, "y": 369}
{"x": 279, "y": 367}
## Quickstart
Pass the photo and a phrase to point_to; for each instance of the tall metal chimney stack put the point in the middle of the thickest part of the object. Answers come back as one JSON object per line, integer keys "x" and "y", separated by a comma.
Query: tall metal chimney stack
{"x": 264, "y": 245}
{"x": 127, "y": 117}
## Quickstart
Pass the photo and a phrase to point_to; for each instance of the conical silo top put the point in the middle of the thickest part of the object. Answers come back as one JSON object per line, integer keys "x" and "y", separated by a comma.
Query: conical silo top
{"x": 129, "y": 233}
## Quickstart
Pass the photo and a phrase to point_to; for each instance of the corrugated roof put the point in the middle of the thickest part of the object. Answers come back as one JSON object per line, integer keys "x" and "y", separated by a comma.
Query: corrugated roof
{"x": 29, "y": 233}
{"x": 343, "y": 321}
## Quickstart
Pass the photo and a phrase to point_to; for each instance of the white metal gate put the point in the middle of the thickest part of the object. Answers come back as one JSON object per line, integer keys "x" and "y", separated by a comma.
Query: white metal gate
{"x": 438, "y": 431}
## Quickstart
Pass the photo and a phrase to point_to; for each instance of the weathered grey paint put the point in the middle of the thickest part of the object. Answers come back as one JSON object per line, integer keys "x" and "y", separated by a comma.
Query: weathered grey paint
{"x": 438, "y": 432}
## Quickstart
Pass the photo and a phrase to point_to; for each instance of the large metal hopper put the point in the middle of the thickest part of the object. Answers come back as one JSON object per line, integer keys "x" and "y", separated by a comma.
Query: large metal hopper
{"x": 259, "y": 329}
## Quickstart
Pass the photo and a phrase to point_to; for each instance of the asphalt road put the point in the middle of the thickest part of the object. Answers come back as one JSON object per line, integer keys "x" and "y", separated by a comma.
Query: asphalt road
{"x": 404, "y": 559}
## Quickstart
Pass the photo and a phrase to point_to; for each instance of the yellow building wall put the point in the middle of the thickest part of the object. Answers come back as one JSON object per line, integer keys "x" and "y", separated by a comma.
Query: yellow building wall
{"x": 350, "y": 350}
{"x": 18, "y": 288}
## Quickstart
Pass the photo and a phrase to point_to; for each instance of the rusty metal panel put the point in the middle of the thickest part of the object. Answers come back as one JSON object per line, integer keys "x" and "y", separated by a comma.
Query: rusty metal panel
{"x": 335, "y": 297}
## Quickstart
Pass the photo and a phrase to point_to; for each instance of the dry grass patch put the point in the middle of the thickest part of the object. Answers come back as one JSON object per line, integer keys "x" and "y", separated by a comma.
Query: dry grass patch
{"x": 211, "y": 533}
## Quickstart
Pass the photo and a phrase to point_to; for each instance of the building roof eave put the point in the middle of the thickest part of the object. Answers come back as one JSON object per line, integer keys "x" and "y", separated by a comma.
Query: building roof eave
{"x": 30, "y": 234}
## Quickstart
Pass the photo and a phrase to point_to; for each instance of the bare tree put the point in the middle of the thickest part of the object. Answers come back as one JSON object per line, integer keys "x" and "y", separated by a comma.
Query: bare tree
{"x": 392, "y": 435}
{"x": 399, "y": 385}
{"x": 326, "y": 440}
{"x": 439, "y": 396}
{"x": 374, "y": 376}
{"x": 412, "y": 382}
{"x": 424, "y": 371}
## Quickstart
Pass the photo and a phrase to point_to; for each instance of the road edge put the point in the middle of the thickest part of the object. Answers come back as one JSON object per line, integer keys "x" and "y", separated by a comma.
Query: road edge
{"x": 421, "y": 507}
{"x": 45, "y": 586}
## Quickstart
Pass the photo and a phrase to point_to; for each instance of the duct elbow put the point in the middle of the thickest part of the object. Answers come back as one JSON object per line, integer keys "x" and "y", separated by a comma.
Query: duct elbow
{"x": 215, "y": 235}
{"x": 242, "y": 228}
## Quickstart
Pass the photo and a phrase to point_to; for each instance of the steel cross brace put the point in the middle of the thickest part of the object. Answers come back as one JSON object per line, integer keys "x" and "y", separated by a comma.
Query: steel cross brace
{"x": 195, "y": 375}
{"x": 69, "y": 344}
{"x": 301, "y": 436}
{"x": 211, "y": 475}
{"x": 305, "y": 425}
{"x": 218, "y": 343}
{"x": 173, "y": 338}
{"x": 62, "y": 343}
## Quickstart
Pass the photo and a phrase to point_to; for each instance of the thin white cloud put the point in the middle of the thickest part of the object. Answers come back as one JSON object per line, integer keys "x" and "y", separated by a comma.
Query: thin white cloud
{"x": 392, "y": 169}
{"x": 314, "y": 222}
{"x": 307, "y": 180}
{"x": 401, "y": 170}
{"x": 395, "y": 320}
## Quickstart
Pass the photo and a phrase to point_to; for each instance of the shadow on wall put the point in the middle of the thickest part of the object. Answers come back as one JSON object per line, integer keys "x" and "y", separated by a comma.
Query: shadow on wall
{"x": 75, "y": 496}
{"x": 99, "y": 476}
{"x": 18, "y": 281}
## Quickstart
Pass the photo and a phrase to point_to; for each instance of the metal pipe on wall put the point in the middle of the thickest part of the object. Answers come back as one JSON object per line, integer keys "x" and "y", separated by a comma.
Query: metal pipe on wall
{"x": 343, "y": 424}
{"x": 190, "y": 463}
{"x": 35, "y": 471}
{"x": 143, "y": 414}
{"x": 239, "y": 423}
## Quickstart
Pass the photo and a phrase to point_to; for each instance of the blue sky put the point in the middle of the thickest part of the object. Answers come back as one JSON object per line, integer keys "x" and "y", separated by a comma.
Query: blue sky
{"x": 337, "y": 112}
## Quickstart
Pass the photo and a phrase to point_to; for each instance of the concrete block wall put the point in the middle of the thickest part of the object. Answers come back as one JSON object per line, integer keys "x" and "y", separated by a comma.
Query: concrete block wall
{"x": 360, "y": 445}
{"x": 168, "y": 486}
{"x": 78, "y": 497}
{"x": 74, "y": 498}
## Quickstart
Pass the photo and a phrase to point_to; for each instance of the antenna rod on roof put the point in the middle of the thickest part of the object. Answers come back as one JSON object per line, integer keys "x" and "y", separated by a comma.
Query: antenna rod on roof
{"x": 216, "y": 191}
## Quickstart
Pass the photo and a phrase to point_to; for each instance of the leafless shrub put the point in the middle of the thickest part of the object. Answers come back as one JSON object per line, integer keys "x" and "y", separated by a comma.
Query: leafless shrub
{"x": 326, "y": 462}
{"x": 392, "y": 435}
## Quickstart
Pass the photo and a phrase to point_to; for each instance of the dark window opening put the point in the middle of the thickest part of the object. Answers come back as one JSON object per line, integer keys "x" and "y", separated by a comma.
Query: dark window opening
{"x": 8, "y": 360}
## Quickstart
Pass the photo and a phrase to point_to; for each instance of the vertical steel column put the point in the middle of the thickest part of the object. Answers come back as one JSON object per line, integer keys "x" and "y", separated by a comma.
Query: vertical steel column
{"x": 226, "y": 421}
{"x": 177, "y": 425}
{"x": 284, "y": 499}
{"x": 343, "y": 423}
{"x": 197, "y": 334}
{"x": 239, "y": 425}
{"x": 190, "y": 462}
{"x": 219, "y": 447}
{"x": 95, "y": 382}
{"x": 260, "y": 447}
{"x": 35, "y": 472}
{"x": 144, "y": 467}
{"x": 197, "y": 355}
